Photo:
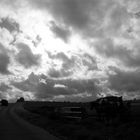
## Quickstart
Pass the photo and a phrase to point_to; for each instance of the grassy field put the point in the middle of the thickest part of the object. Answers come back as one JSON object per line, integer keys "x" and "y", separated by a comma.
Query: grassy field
{"x": 87, "y": 129}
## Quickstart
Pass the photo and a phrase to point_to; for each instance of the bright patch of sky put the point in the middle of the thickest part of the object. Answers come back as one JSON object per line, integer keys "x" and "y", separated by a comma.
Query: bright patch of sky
{"x": 69, "y": 49}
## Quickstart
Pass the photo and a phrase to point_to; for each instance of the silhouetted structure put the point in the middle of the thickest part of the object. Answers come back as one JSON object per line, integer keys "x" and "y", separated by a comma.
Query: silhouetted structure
{"x": 108, "y": 108}
{"x": 4, "y": 102}
{"x": 21, "y": 99}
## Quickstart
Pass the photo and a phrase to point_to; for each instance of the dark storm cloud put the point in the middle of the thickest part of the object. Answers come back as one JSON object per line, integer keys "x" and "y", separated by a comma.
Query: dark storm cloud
{"x": 24, "y": 85}
{"x": 127, "y": 81}
{"x": 69, "y": 11}
{"x": 4, "y": 60}
{"x": 137, "y": 14}
{"x": 55, "y": 73}
{"x": 60, "y": 55}
{"x": 83, "y": 16}
{"x": 28, "y": 84}
{"x": 107, "y": 48}
{"x": 4, "y": 87}
{"x": 43, "y": 90}
{"x": 46, "y": 90}
{"x": 90, "y": 62}
{"x": 128, "y": 57}
{"x": 25, "y": 56}
{"x": 117, "y": 18}
{"x": 60, "y": 32}
{"x": 68, "y": 65}
{"x": 59, "y": 73}
{"x": 9, "y": 24}
{"x": 2, "y": 95}
{"x": 84, "y": 85}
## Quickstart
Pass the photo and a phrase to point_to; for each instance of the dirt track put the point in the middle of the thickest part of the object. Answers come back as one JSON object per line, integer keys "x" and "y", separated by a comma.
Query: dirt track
{"x": 12, "y": 127}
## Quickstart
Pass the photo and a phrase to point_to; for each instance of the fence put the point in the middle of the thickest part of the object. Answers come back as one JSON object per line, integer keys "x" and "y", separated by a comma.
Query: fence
{"x": 72, "y": 113}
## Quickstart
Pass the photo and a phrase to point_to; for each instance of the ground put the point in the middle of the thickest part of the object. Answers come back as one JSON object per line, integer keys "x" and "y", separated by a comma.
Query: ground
{"x": 87, "y": 129}
{"x": 14, "y": 127}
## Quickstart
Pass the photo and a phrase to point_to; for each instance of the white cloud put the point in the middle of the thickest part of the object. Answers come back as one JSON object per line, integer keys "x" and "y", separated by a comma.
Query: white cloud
{"x": 69, "y": 39}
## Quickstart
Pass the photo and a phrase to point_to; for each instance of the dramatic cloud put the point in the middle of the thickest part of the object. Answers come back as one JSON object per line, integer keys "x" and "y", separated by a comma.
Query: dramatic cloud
{"x": 50, "y": 88}
{"x": 71, "y": 12}
{"x": 126, "y": 55}
{"x": 4, "y": 60}
{"x": 69, "y": 49}
{"x": 25, "y": 56}
{"x": 4, "y": 87}
{"x": 59, "y": 73}
{"x": 9, "y": 24}
{"x": 90, "y": 62}
{"x": 90, "y": 17}
{"x": 60, "y": 32}
{"x": 71, "y": 64}
{"x": 67, "y": 63}
{"x": 125, "y": 81}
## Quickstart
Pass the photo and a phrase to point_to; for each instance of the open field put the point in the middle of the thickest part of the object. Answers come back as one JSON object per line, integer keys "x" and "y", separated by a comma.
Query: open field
{"x": 88, "y": 128}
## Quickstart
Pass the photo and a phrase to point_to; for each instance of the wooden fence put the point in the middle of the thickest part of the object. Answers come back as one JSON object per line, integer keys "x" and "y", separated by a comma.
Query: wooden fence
{"x": 72, "y": 113}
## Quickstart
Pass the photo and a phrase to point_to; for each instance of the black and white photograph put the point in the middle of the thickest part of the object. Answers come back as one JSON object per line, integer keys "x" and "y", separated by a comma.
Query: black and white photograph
{"x": 69, "y": 69}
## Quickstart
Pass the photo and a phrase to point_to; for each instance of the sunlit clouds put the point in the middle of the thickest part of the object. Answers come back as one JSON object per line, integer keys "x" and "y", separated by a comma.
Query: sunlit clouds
{"x": 73, "y": 50}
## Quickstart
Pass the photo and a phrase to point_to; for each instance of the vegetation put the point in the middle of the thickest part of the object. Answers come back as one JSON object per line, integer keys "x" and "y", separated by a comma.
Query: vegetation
{"x": 4, "y": 102}
{"x": 89, "y": 128}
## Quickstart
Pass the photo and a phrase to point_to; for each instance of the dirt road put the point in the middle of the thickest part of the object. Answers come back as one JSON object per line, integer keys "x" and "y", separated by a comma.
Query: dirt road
{"x": 12, "y": 127}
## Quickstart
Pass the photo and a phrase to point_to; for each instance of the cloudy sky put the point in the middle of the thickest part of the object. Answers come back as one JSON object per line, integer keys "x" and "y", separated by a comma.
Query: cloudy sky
{"x": 73, "y": 50}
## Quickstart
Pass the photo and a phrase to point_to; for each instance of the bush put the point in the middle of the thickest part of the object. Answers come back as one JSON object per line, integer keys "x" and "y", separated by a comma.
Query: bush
{"x": 4, "y": 102}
